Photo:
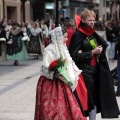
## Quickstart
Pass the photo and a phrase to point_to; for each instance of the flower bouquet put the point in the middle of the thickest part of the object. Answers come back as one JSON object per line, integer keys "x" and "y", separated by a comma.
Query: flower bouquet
{"x": 60, "y": 66}
{"x": 2, "y": 39}
{"x": 92, "y": 42}
{"x": 25, "y": 38}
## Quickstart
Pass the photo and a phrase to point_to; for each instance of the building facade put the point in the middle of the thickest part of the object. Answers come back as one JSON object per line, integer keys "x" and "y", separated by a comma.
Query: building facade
{"x": 13, "y": 10}
{"x": 1, "y": 10}
{"x": 34, "y": 9}
{"x": 37, "y": 9}
{"x": 110, "y": 9}
{"x": 77, "y": 6}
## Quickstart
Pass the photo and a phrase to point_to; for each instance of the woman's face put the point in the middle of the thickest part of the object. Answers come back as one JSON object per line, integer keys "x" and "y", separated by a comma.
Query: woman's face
{"x": 89, "y": 21}
{"x": 65, "y": 37}
{"x": 23, "y": 24}
{"x": 34, "y": 25}
{"x": 14, "y": 26}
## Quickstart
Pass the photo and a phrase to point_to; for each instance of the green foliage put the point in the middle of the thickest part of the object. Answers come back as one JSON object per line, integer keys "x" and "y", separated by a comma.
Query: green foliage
{"x": 60, "y": 62}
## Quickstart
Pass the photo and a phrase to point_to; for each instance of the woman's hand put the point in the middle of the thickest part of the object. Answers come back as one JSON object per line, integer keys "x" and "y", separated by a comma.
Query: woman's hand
{"x": 113, "y": 35}
{"x": 58, "y": 75}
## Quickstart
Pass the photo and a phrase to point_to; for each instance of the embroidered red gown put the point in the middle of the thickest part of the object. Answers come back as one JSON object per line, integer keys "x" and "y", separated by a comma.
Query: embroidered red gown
{"x": 56, "y": 101}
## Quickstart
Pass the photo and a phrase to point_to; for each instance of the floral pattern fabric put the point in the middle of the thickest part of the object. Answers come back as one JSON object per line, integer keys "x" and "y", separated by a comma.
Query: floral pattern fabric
{"x": 56, "y": 101}
{"x": 34, "y": 45}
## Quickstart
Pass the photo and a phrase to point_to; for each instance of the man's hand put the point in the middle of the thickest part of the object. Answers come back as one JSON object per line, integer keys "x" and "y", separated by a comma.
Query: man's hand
{"x": 97, "y": 50}
{"x": 79, "y": 51}
{"x": 113, "y": 35}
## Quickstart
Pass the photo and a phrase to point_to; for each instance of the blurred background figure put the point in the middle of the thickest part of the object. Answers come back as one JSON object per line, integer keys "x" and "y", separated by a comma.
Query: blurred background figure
{"x": 16, "y": 49}
{"x": 44, "y": 28}
{"x": 99, "y": 28}
{"x": 2, "y": 42}
{"x": 24, "y": 29}
{"x": 70, "y": 32}
{"x": 34, "y": 46}
{"x": 110, "y": 35}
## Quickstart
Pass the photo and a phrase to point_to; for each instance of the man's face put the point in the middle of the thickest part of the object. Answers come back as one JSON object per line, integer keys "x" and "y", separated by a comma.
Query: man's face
{"x": 14, "y": 26}
{"x": 89, "y": 21}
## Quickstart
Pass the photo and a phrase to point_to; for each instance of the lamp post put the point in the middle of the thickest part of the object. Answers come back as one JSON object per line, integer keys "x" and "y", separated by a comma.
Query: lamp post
{"x": 31, "y": 8}
{"x": 110, "y": 9}
{"x": 91, "y": 4}
{"x": 56, "y": 24}
{"x": 3, "y": 9}
{"x": 23, "y": 7}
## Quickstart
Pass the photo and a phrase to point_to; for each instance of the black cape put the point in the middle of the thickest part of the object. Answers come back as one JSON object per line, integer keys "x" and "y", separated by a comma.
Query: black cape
{"x": 108, "y": 103}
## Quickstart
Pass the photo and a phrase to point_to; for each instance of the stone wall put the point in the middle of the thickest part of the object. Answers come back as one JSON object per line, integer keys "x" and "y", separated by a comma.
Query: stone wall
{"x": 13, "y": 10}
{"x": 1, "y": 10}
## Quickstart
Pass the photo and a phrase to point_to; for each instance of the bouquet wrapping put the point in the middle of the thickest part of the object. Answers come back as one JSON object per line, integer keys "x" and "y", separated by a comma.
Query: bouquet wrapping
{"x": 92, "y": 42}
{"x": 60, "y": 66}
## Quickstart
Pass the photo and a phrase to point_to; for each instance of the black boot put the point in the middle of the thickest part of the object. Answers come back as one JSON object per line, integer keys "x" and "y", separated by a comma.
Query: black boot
{"x": 16, "y": 62}
{"x": 36, "y": 57}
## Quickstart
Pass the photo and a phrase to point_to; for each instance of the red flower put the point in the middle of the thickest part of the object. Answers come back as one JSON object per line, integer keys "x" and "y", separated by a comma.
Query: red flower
{"x": 53, "y": 65}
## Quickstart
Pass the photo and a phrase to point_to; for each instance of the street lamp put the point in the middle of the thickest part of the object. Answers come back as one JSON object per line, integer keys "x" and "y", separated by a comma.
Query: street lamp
{"x": 3, "y": 9}
{"x": 56, "y": 24}
{"x": 23, "y": 7}
{"x": 31, "y": 8}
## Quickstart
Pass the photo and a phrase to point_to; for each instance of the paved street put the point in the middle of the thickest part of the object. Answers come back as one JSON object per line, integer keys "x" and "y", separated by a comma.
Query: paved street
{"x": 18, "y": 89}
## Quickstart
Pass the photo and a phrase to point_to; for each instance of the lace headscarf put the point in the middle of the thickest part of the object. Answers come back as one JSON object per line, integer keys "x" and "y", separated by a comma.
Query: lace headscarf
{"x": 58, "y": 40}
{"x": 56, "y": 49}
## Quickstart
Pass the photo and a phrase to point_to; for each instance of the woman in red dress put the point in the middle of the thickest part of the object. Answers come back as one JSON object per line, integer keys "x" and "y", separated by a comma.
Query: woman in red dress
{"x": 55, "y": 99}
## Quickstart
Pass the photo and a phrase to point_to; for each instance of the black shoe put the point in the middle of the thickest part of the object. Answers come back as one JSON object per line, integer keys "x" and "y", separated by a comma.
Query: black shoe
{"x": 118, "y": 94}
{"x": 16, "y": 63}
{"x": 36, "y": 57}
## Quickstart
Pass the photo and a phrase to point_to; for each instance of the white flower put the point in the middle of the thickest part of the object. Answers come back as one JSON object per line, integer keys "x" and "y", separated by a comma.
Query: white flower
{"x": 2, "y": 39}
{"x": 25, "y": 34}
{"x": 44, "y": 32}
{"x": 26, "y": 38}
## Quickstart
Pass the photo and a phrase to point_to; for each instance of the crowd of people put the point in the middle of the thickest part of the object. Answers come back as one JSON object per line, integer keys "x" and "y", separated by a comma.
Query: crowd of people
{"x": 17, "y": 41}
{"x": 75, "y": 81}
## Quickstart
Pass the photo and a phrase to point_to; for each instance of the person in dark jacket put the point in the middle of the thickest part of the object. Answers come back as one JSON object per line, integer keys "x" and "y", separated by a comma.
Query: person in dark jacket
{"x": 118, "y": 65}
{"x": 110, "y": 35}
{"x": 87, "y": 49}
{"x": 16, "y": 49}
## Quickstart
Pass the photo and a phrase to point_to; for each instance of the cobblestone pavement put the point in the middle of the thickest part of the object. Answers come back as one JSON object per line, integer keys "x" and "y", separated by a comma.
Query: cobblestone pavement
{"x": 18, "y": 89}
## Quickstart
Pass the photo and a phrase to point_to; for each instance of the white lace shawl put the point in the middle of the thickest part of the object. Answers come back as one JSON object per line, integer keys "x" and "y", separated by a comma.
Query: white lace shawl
{"x": 53, "y": 52}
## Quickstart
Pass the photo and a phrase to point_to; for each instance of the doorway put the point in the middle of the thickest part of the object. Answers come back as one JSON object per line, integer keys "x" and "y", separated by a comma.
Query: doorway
{"x": 12, "y": 13}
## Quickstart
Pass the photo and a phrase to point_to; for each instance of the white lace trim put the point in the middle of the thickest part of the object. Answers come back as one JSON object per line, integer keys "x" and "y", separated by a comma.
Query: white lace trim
{"x": 53, "y": 52}
{"x": 46, "y": 72}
